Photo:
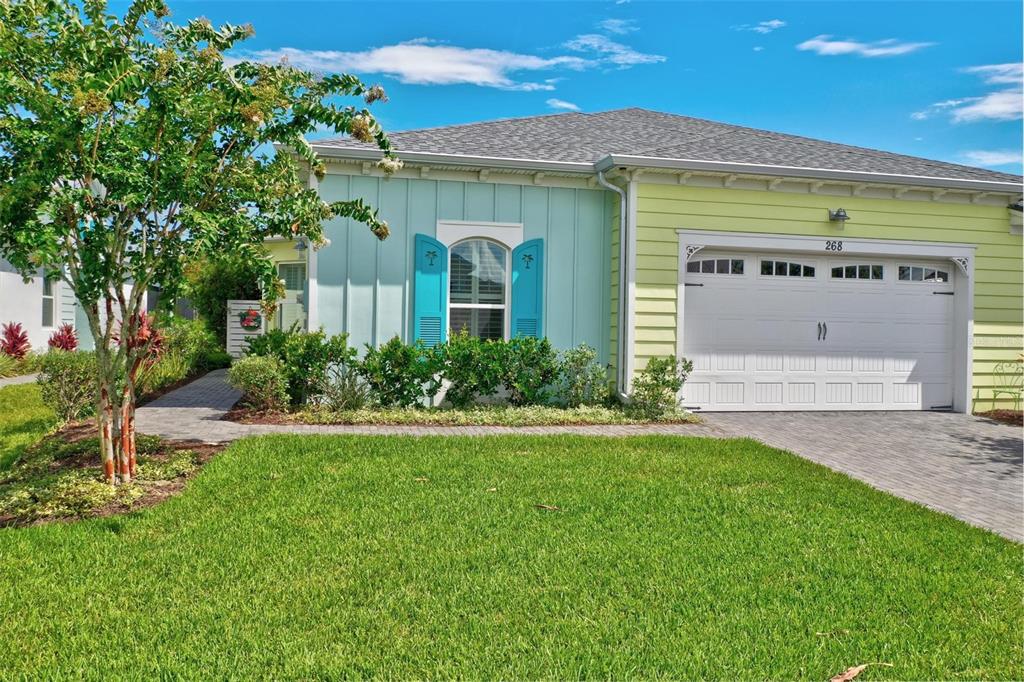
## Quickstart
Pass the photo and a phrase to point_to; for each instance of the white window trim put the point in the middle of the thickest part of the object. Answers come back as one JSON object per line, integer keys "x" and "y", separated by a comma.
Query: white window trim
{"x": 52, "y": 298}
{"x": 507, "y": 235}
{"x": 963, "y": 280}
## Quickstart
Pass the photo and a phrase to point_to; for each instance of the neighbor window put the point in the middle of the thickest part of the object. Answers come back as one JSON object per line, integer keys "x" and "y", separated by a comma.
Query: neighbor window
{"x": 716, "y": 266}
{"x": 477, "y": 291}
{"x": 47, "y": 301}
{"x": 857, "y": 272}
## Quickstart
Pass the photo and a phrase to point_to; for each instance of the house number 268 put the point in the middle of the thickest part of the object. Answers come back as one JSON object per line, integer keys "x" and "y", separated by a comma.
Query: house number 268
{"x": 833, "y": 245}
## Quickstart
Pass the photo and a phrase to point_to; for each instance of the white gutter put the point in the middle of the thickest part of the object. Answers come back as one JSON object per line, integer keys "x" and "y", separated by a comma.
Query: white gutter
{"x": 431, "y": 158}
{"x": 622, "y": 348}
{"x": 623, "y": 160}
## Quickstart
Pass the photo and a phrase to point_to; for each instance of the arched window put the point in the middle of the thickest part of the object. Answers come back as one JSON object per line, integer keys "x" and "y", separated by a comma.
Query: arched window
{"x": 477, "y": 290}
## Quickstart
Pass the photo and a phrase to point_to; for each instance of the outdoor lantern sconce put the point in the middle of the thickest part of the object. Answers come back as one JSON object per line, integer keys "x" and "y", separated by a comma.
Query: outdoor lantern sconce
{"x": 300, "y": 245}
{"x": 838, "y": 216}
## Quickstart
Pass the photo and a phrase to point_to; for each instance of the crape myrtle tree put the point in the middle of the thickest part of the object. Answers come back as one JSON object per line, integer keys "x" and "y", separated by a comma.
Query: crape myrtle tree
{"x": 131, "y": 146}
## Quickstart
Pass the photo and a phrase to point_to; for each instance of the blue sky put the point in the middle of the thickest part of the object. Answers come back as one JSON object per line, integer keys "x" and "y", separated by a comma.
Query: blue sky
{"x": 935, "y": 79}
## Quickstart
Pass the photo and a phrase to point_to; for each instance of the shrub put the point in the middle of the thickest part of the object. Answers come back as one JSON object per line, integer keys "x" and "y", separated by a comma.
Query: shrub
{"x": 656, "y": 389}
{"x": 8, "y": 366}
{"x": 193, "y": 340}
{"x": 14, "y": 341}
{"x": 344, "y": 389}
{"x": 67, "y": 382}
{"x": 472, "y": 365}
{"x": 529, "y": 367}
{"x": 63, "y": 338}
{"x": 261, "y": 381}
{"x": 401, "y": 374}
{"x": 211, "y": 283}
{"x": 188, "y": 347}
{"x": 305, "y": 357}
{"x": 584, "y": 380}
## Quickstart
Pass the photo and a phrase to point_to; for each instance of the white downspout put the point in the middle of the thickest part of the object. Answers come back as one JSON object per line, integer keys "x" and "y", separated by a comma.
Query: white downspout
{"x": 622, "y": 349}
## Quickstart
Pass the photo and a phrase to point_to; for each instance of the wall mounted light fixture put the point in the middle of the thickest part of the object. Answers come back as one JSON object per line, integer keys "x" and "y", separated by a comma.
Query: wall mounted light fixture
{"x": 838, "y": 216}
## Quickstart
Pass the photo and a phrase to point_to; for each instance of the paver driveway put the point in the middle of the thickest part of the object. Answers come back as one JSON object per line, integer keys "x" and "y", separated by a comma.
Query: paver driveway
{"x": 956, "y": 463}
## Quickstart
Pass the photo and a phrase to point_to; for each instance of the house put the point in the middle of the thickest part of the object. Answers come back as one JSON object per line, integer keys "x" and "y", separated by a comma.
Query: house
{"x": 797, "y": 274}
{"x": 40, "y": 306}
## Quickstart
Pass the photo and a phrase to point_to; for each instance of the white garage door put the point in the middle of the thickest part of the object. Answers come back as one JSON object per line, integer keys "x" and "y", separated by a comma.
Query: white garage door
{"x": 771, "y": 331}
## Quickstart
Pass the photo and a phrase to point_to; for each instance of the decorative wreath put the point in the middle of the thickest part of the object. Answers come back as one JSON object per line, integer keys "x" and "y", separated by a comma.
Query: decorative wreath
{"x": 250, "y": 319}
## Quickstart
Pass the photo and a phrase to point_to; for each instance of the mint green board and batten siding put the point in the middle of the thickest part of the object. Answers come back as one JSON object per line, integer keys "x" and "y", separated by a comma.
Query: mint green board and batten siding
{"x": 365, "y": 286}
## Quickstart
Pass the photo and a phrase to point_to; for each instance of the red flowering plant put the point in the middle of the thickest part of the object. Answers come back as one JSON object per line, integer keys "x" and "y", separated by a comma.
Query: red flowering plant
{"x": 64, "y": 338}
{"x": 14, "y": 341}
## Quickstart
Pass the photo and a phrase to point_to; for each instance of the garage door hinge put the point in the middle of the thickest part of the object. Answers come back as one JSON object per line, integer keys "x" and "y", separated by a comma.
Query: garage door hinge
{"x": 943, "y": 293}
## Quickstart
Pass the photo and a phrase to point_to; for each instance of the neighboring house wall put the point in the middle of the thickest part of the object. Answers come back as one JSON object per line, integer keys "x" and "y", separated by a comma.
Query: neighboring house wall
{"x": 364, "y": 286}
{"x": 664, "y": 208}
{"x": 23, "y": 302}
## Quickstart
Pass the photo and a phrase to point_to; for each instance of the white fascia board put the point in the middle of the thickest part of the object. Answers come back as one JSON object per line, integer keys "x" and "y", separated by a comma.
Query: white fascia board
{"x": 431, "y": 158}
{"x": 620, "y": 160}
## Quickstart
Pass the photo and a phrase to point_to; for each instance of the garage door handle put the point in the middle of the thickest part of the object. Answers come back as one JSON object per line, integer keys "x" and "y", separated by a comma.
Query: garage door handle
{"x": 825, "y": 335}
{"x": 691, "y": 284}
{"x": 819, "y": 331}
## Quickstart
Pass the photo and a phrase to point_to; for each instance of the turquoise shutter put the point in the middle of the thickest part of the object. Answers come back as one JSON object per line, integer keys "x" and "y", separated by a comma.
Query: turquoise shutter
{"x": 430, "y": 291}
{"x": 528, "y": 289}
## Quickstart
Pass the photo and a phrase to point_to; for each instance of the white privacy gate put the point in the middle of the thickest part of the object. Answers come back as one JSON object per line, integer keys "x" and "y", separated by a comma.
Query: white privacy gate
{"x": 237, "y": 334}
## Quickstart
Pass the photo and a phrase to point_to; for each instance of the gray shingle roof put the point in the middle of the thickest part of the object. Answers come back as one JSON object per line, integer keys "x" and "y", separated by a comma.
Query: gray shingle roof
{"x": 587, "y": 138}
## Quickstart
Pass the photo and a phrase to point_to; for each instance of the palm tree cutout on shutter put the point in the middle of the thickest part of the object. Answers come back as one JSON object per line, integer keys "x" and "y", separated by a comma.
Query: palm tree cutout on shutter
{"x": 431, "y": 255}
{"x": 527, "y": 258}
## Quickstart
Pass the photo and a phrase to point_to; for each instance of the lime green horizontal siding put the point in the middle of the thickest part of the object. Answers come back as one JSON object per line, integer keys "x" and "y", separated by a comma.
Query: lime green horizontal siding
{"x": 999, "y": 266}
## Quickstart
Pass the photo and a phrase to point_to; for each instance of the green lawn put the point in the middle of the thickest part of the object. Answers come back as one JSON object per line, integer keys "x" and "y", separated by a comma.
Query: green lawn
{"x": 304, "y": 557}
{"x": 23, "y": 420}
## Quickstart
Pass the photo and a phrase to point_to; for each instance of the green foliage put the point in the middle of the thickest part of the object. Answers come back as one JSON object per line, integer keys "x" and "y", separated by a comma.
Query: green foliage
{"x": 656, "y": 388}
{"x": 480, "y": 415}
{"x": 344, "y": 389}
{"x": 48, "y": 480}
{"x": 8, "y": 366}
{"x": 583, "y": 380}
{"x": 67, "y": 381}
{"x": 211, "y": 282}
{"x": 305, "y": 357}
{"x": 529, "y": 367}
{"x": 262, "y": 382}
{"x": 401, "y": 374}
{"x": 189, "y": 348}
{"x": 473, "y": 366}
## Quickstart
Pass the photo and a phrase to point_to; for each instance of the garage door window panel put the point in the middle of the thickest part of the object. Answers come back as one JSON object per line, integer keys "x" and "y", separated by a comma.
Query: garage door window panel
{"x": 859, "y": 271}
{"x": 716, "y": 266}
{"x": 922, "y": 273}
{"x": 781, "y": 268}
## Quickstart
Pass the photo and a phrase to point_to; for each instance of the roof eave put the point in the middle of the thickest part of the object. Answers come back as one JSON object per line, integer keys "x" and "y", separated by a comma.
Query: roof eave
{"x": 629, "y": 161}
{"x": 432, "y": 158}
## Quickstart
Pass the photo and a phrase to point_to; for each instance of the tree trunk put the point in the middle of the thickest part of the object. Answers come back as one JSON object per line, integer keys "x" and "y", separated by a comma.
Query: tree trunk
{"x": 105, "y": 419}
{"x": 126, "y": 457}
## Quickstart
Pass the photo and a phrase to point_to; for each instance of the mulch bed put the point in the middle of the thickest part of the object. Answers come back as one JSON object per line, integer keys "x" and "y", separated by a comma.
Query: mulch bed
{"x": 1011, "y": 417}
{"x": 154, "y": 491}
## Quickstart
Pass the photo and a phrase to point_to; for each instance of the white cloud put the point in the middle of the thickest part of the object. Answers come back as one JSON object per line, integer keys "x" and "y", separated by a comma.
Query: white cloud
{"x": 555, "y": 103}
{"x": 996, "y": 157}
{"x": 610, "y": 51}
{"x": 618, "y": 26}
{"x": 1000, "y": 105}
{"x": 758, "y": 49}
{"x": 826, "y": 46}
{"x": 420, "y": 61}
{"x": 761, "y": 26}
{"x": 1000, "y": 74}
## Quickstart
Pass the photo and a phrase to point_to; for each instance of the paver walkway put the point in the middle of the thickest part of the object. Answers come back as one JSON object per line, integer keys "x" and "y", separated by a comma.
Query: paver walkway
{"x": 962, "y": 465}
{"x": 23, "y": 379}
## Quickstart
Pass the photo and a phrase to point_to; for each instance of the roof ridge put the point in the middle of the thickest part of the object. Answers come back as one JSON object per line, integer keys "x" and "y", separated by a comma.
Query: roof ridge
{"x": 450, "y": 126}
